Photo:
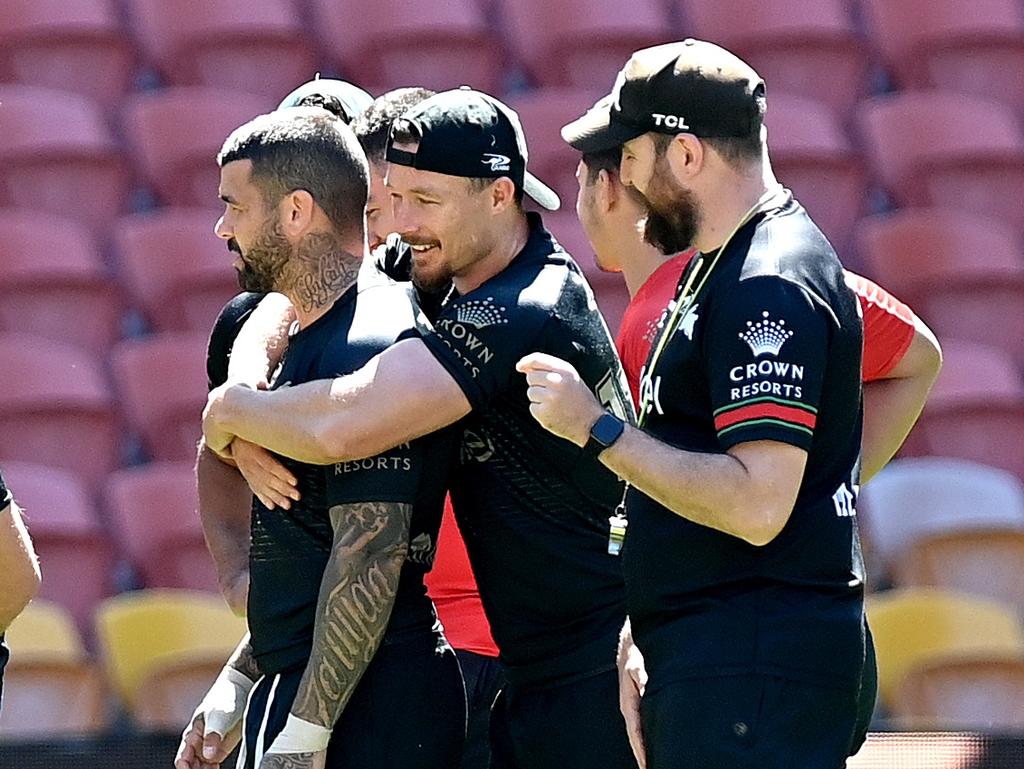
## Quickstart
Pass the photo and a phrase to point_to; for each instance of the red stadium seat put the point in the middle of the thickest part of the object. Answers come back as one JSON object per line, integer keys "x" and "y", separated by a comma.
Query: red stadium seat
{"x": 75, "y": 554}
{"x": 609, "y": 287}
{"x": 394, "y": 43}
{"x": 983, "y": 694}
{"x": 912, "y": 498}
{"x": 238, "y": 45}
{"x": 582, "y": 43}
{"x": 55, "y": 283}
{"x": 790, "y": 43}
{"x": 543, "y": 112}
{"x": 947, "y": 149}
{"x": 177, "y": 132}
{"x": 168, "y": 695}
{"x": 812, "y": 156}
{"x": 46, "y": 699}
{"x": 155, "y": 511}
{"x": 917, "y": 251}
{"x": 58, "y": 157}
{"x": 75, "y": 46}
{"x": 179, "y": 272}
{"x": 56, "y": 408}
{"x": 162, "y": 379}
{"x": 973, "y": 46}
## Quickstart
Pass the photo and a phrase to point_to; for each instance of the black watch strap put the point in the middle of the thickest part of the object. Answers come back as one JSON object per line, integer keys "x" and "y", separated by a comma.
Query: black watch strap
{"x": 603, "y": 434}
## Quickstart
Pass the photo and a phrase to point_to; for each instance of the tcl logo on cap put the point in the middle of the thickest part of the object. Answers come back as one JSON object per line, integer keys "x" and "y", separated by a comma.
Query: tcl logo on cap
{"x": 669, "y": 121}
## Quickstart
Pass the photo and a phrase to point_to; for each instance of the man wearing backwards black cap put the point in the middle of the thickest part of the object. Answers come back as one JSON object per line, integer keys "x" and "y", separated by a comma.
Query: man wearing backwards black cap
{"x": 743, "y": 568}
{"x": 533, "y": 509}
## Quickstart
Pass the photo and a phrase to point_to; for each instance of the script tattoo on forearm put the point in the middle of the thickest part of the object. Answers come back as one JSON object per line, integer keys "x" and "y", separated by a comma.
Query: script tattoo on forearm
{"x": 356, "y": 596}
{"x": 287, "y": 761}
{"x": 242, "y": 660}
{"x": 324, "y": 270}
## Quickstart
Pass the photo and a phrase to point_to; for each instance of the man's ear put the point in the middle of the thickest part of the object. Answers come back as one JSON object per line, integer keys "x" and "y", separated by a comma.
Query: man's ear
{"x": 686, "y": 156}
{"x": 503, "y": 194}
{"x": 298, "y": 210}
{"x": 605, "y": 193}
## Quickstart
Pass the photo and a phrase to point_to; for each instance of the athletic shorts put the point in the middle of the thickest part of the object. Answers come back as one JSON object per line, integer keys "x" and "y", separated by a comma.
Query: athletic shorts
{"x": 575, "y": 725}
{"x": 748, "y": 722}
{"x": 868, "y": 693}
{"x": 484, "y": 678}
{"x": 408, "y": 710}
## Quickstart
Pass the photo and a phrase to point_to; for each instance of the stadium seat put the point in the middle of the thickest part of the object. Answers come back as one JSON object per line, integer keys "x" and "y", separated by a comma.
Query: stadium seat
{"x": 178, "y": 271}
{"x": 56, "y": 408}
{"x": 154, "y": 509}
{"x": 162, "y": 380}
{"x": 915, "y": 626}
{"x": 394, "y": 43}
{"x": 75, "y": 554}
{"x": 985, "y": 694}
{"x": 55, "y": 283}
{"x": 58, "y": 157}
{"x": 142, "y": 631}
{"x": 938, "y": 148}
{"x": 917, "y": 252}
{"x": 985, "y": 562}
{"x": 177, "y": 132}
{"x": 973, "y": 46}
{"x": 790, "y": 43}
{"x": 45, "y": 631}
{"x": 916, "y": 497}
{"x": 75, "y": 46}
{"x": 168, "y": 696}
{"x": 813, "y": 157}
{"x": 256, "y": 46}
{"x": 543, "y": 112}
{"x": 582, "y": 43}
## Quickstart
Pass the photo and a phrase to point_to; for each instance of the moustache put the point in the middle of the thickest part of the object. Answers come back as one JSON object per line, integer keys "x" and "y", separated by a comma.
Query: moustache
{"x": 234, "y": 247}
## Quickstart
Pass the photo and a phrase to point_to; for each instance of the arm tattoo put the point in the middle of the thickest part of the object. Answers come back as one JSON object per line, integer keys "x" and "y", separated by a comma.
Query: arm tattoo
{"x": 243, "y": 661}
{"x": 356, "y": 596}
{"x": 287, "y": 761}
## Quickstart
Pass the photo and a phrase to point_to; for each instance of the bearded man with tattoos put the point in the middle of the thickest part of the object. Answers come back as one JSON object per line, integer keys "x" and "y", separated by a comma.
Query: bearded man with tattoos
{"x": 345, "y": 664}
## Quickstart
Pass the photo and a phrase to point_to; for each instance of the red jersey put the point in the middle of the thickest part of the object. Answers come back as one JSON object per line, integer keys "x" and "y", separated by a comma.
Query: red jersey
{"x": 452, "y": 588}
{"x": 888, "y": 323}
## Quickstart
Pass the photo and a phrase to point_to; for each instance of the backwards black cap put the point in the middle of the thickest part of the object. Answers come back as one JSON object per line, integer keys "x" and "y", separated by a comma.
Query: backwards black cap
{"x": 687, "y": 87}
{"x": 468, "y": 133}
{"x": 345, "y": 100}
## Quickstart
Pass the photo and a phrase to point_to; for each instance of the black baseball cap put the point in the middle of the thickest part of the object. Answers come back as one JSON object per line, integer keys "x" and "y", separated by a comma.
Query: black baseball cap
{"x": 467, "y": 133}
{"x": 345, "y": 100}
{"x": 687, "y": 87}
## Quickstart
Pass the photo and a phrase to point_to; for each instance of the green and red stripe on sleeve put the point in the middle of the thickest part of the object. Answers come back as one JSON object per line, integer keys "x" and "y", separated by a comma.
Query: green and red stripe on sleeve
{"x": 766, "y": 410}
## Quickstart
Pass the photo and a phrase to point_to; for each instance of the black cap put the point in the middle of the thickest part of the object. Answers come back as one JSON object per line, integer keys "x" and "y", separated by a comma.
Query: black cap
{"x": 468, "y": 133}
{"x": 345, "y": 100}
{"x": 688, "y": 87}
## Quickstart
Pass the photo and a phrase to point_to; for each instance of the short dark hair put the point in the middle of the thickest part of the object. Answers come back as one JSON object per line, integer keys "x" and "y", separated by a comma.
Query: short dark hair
{"x": 734, "y": 150}
{"x": 374, "y": 124}
{"x": 305, "y": 148}
{"x": 604, "y": 160}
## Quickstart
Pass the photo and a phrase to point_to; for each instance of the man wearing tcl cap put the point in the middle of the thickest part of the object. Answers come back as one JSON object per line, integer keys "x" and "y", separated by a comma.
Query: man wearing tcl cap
{"x": 742, "y": 560}
{"x": 534, "y": 509}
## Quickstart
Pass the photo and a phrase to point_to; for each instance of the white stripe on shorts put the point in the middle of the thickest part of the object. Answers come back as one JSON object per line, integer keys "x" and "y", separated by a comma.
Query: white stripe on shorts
{"x": 263, "y": 726}
{"x": 240, "y": 762}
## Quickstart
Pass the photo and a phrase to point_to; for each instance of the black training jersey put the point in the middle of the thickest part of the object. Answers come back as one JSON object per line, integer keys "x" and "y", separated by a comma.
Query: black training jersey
{"x": 769, "y": 350}
{"x": 532, "y": 509}
{"x": 225, "y": 330}
{"x": 290, "y": 548}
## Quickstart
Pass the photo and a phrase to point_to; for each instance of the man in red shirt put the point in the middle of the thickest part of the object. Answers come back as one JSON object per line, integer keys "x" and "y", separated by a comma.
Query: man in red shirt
{"x": 901, "y": 355}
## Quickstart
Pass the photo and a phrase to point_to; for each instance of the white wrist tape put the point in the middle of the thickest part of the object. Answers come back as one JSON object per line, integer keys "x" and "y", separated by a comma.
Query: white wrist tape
{"x": 299, "y": 736}
{"x": 224, "y": 705}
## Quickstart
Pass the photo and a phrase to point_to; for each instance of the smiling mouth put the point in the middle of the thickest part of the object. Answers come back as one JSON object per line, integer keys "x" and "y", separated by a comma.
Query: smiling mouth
{"x": 422, "y": 249}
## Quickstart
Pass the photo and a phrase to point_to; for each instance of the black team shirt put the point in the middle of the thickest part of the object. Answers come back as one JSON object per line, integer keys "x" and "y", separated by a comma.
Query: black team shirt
{"x": 533, "y": 511}
{"x": 290, "y": 548}
{"x": 771, "y": 350}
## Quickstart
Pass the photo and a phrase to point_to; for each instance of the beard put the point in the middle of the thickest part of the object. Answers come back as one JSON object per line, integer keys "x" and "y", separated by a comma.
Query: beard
{"x": 673, "y": 214}
{"x": 263, "y": 264}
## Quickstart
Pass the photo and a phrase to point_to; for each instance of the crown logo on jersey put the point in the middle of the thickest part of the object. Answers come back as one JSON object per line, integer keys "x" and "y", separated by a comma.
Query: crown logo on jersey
{"x": 766, "y": 336}
{"x": 480, "y": 312}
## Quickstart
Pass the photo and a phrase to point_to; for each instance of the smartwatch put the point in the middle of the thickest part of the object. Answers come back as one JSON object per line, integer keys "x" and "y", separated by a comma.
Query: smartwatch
{"x": 603, "y": 434}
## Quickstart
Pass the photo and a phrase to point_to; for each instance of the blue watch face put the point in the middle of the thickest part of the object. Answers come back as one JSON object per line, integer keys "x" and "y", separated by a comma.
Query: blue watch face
{"x": 607, "y": 429}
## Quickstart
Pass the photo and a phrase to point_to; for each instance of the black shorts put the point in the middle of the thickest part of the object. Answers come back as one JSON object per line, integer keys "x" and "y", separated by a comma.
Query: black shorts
{"x": 868, "y": 693}
{"x": 484, "y": 678}
{"x": 409, "y": 710}
{"x": 748, "y": 722}
{"x": 575, "y": 725}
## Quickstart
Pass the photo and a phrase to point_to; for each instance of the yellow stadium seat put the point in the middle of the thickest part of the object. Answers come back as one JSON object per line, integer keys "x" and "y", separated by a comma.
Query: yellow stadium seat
{"x": 141, "y": 632}
{"x": 915, "y": 626}
{"x": 45, "y": 632}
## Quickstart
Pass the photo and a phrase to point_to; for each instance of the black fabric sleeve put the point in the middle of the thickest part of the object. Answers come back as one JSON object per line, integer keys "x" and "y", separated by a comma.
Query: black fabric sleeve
{"x": 480, "y": 339}
{"x": 222, "y": 337}
{"x": 766, "y": 346}
{"x": 393, "y": 476}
